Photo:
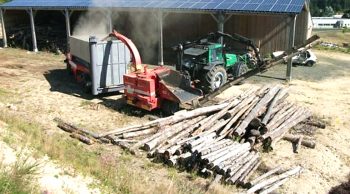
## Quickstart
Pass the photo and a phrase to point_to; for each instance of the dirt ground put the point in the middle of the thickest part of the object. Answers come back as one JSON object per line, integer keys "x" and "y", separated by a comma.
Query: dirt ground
{"x": 43, "y": 91}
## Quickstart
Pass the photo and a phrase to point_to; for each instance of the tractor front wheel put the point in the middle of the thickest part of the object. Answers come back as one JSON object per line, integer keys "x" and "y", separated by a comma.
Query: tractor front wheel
{"x": 215, "y": 78}
{"x": 239, "y": 69}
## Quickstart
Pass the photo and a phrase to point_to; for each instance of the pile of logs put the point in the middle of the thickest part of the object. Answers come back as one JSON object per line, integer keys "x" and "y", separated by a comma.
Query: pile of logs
{"x": 220, "y": 139}
{"x": 50, "y": 39}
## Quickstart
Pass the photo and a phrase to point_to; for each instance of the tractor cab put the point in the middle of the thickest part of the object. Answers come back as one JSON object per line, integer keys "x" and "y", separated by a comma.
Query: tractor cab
{"x": 208, "y": 54}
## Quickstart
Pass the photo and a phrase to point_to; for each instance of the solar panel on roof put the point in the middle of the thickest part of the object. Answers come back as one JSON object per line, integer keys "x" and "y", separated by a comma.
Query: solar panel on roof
{"x": 275, "y": 6}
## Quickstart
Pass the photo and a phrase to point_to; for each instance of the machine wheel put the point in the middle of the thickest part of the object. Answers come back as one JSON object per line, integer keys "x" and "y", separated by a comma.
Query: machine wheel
{"x": 169, "y": 107}
{"x": 240, "y": 69}
{"x": 215, "y": 78}
{"x": 310, "y": 63}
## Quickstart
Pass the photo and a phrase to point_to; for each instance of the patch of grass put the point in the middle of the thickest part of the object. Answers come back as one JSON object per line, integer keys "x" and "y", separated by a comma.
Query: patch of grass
{"x": 18, "y": 178}
{"x": 336, "y": 49}
{"x": 115, "y": 171}
{"x": 86, "y": 103}
{"x": 4, "y": 94}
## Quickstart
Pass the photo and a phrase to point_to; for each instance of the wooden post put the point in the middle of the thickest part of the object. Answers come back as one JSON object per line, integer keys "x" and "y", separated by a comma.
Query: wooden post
{"x": 32, "y": 25}
{"x": 291, "y": 45}
{"x": 4, "y": 36}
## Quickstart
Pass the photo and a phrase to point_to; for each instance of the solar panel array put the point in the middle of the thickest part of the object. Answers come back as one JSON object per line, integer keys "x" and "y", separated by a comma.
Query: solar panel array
{"x": 259, "y": 6}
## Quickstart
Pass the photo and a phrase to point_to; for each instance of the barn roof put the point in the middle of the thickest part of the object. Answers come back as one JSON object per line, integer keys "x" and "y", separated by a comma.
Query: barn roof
{"x": 227, "y": 6}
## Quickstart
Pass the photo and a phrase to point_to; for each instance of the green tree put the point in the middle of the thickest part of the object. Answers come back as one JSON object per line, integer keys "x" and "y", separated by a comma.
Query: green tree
{"x": 328, "y": 11}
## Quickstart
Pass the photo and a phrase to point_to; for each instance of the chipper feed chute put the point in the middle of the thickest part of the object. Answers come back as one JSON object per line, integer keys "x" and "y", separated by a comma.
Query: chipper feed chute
{"x": 175, "y": 87}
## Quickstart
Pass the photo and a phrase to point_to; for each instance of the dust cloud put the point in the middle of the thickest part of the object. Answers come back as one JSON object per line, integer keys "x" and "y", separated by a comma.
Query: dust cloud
{"x": 141, "y": 27}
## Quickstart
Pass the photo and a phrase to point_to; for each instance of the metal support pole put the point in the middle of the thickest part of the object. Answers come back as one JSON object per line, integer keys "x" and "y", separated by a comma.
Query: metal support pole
{"x": 68, "y": 30}
{"x": 291, "y": 45}
{"x": 161, "y": 53}
{"x": 4, "y": 36}
{"x": 221, "y": 24}
{"x": 32, "y": 24}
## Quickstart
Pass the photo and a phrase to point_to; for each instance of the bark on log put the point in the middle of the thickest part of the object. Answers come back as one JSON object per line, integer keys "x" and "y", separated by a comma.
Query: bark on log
{"x": 247, "y": 165}
{"x": 231, "y": 153}
{"x": 219, "y": 145}
{"x": 304, "y": 142}
{"x": 140, "y": 133}
{"x": 246, "y": 178}
{"x": 274, "y": 186}
{"x": 222, "y": 168}
{"x": 232, "y": 169}
{"x": 279, "y": 95}
{"x": 273, "y": 179}
{"x": 70, "y": 128}
{"x": 242, "y": 108}
{"x": 239, "y": 181}
{"x": 263, "y": 176}
{"x": 82, "y": 138}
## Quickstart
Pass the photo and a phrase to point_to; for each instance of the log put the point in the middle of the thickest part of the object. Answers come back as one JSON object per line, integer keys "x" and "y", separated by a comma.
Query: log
{"x": 243, "y": 107}
{"x": 222, "y": 168}
{"x": 234, "y": 153}
{"x": 244, "y": 181}
{"x": 255, "y": 111}
{"x": 140, "y": 133}
{"x": 268, "y": 114}
{"x": 239, "y": 181}
{"x": 216, "y": 154}
{"x": 273, "y": 179}
{"x": 304, "y": 142}
{"x": 219, "y": 145}
{"x": 263, "y": 176}
{"x": 284, "y": 128}
{"x": 168, "y": 132}
{"x": 171, "y": 151}
{"x": 297, "y": 145}
{"x": 70, "y": 128}
{"x": 233, "y": 168}
{"x": 274, "y": 186}
{"x": 168, "y": 120}
{"x": 244, "y": 168}
{"x": 82, "y": 138}
{"x": 278, "y": 119}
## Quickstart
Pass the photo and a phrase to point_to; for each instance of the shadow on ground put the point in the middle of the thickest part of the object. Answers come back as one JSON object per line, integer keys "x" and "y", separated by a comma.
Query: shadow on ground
{"x": 61, "y": 81}
{"x": 343, "y": 188}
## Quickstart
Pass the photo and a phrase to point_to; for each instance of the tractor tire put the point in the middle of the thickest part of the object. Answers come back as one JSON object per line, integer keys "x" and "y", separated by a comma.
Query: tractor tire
{"x": 240, "y": 69}
{"x": 310, "y": 63}
{"x": 169, "y": 107}
{"x": 215, "y": 78}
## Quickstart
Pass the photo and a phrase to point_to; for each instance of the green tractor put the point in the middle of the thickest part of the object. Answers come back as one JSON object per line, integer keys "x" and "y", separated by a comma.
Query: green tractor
{"x": 210, "y": 64}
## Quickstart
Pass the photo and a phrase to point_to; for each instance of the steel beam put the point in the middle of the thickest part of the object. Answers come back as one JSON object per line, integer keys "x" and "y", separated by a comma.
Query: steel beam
{"x": 291, "y": 45}
{"x": 110, "y": 20}
{"x": 4, "y": 36}
{"x": 32, "y": 25}
{"x": 221, "y": 19}
{"x": 68, "y": 29}
{"x": 161, "y": 46}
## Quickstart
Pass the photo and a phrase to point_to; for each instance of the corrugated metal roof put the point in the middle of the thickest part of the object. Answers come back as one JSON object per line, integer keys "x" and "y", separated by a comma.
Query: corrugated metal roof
{"x": 257, "y": 6}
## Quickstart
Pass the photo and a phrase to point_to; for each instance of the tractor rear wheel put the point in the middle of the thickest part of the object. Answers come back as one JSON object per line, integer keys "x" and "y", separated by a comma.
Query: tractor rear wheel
{"x": 215, "y": 78}
{"x": 239, "y": 69}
